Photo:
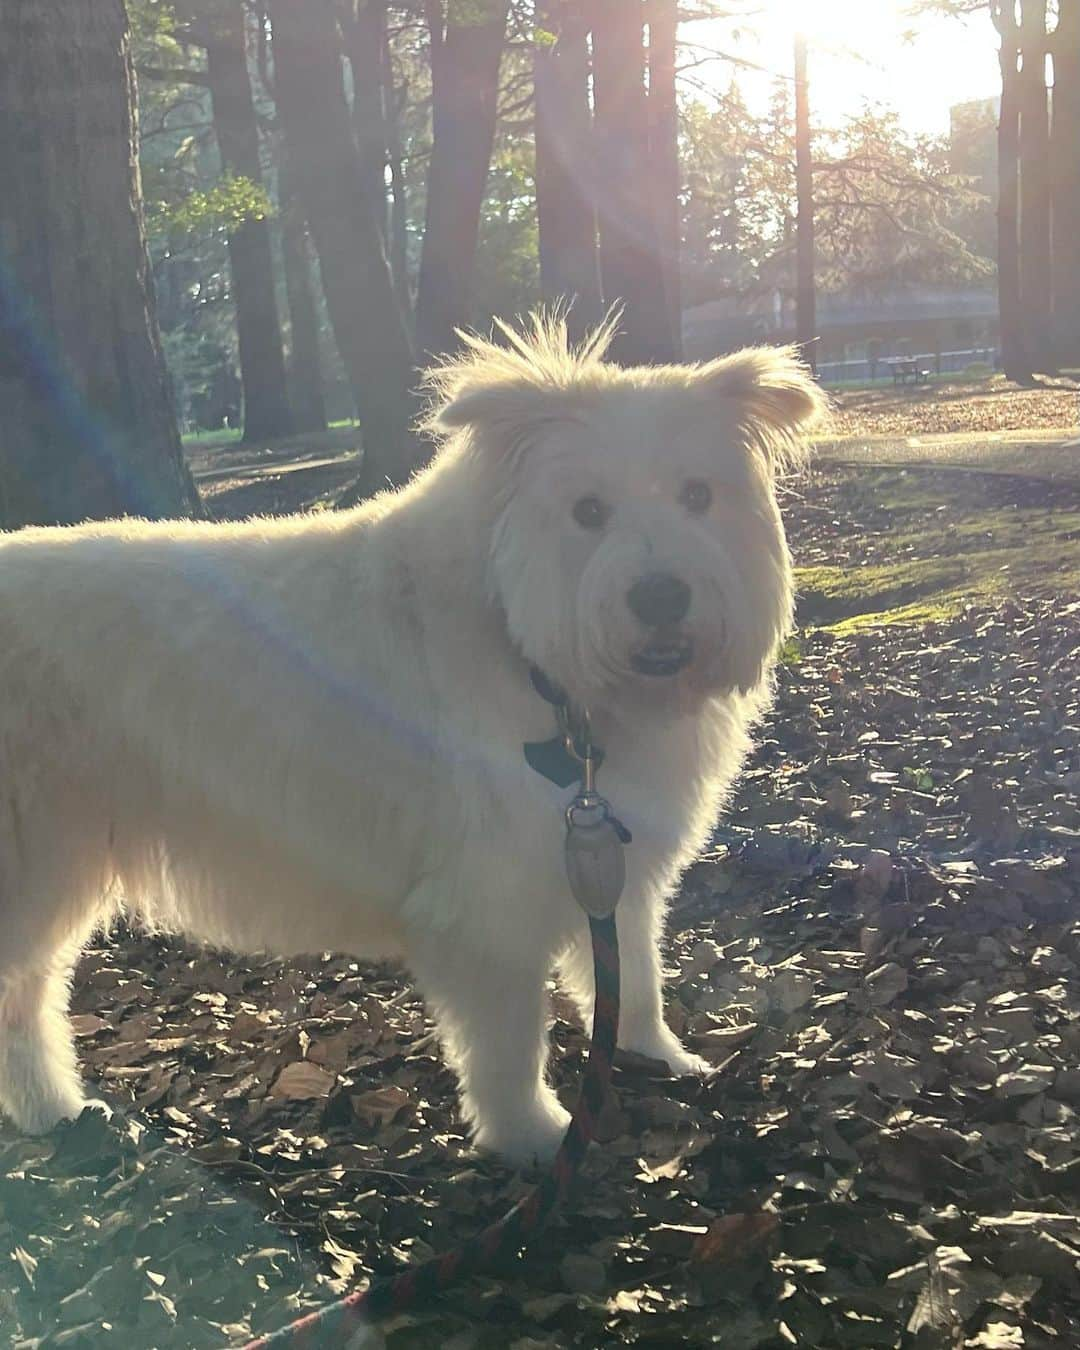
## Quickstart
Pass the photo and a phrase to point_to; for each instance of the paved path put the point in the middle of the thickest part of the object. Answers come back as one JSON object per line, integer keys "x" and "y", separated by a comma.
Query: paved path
{"x": 1040, "y": 454}
{"x": 326, "y": 463}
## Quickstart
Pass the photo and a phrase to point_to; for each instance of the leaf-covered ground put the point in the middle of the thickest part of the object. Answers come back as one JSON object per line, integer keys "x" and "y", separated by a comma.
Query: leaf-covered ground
{"x": 881, "y": 952}
{"x": 927, "y": 410}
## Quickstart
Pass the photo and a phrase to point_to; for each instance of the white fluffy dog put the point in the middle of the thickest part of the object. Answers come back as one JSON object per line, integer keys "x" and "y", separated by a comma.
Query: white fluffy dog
{"x": 306, "y": 734}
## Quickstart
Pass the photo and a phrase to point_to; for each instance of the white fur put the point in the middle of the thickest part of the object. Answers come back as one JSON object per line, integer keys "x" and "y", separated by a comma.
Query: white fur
{"x": 305, "y": 734}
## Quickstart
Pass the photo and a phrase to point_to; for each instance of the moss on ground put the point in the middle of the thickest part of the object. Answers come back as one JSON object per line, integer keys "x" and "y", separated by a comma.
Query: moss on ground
{"x": 924, "y": 546}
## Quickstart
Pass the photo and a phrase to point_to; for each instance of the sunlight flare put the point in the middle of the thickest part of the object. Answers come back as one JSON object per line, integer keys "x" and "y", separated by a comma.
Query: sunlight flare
{"x": 835, "y": 23}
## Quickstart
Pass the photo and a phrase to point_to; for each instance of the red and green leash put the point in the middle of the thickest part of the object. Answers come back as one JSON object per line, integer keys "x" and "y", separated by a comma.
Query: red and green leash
{"x": 333, "y": 1324}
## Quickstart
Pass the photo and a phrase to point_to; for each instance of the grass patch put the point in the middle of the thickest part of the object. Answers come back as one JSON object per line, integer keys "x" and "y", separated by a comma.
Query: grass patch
{"x": 922, "y": 546}
{"x": 834, "y": 593}
{"x": 209, "y": 440}
{"x": 886, "y": 384}
{"x": 916, "y": 615}
{"x": 224, "y": 436}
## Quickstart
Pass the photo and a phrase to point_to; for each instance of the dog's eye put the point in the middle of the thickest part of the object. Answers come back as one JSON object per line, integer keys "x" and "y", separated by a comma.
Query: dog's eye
{"x": 696, "y": 496}
{"x": 591, "y": 513}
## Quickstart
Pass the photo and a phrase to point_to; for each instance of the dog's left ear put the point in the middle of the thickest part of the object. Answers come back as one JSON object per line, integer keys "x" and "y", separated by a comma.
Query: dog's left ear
{"x": 780, "y": 397}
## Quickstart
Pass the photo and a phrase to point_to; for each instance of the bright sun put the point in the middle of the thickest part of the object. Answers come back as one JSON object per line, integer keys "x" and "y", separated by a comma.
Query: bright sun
{"x": 860, "y": 51}
{"x": 835, "y": 23}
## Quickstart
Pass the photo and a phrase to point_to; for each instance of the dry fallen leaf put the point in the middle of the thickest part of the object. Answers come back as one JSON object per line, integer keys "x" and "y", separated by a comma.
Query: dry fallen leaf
{"x": 997, "y": 1336}
{"x": 733, "y": 1237}
{"x": 886, "y": 983}
{"x": 583, "y": 1273}
{"x": 875, "y": 877}
{"x": 381, "y": 1106}
{"x": 301, "y": 1081}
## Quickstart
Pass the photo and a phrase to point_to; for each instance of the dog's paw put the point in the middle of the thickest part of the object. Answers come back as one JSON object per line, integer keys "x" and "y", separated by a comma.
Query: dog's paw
{"x": 99, "y": 1107}
{"x": 526, "y": 1140}
{"x": 670, "y": 1051}
{"x": 687, "y": 1065}
{"x": 43, "y": 1111}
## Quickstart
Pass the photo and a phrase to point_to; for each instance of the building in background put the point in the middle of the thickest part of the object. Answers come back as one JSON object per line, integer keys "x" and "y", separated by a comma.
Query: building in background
{"x": 950, "y": 329}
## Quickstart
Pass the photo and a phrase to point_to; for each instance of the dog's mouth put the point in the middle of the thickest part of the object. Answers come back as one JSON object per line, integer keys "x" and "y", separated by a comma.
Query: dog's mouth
{"x": 663, "y": 656}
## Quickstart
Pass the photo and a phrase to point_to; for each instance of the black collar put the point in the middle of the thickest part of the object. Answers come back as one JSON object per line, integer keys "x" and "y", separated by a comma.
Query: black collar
{"x": 548, "y": 690}
{"x": 552, "y": 759}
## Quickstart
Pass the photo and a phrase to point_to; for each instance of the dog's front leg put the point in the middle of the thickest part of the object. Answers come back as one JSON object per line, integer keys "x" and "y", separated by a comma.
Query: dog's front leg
{"x": 642, "y": 1027}
{"x": 491, "y": 1011}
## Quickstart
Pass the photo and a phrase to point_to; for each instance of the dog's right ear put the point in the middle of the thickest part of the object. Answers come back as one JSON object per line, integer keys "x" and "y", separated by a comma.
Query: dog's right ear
{"x": 502, "y": 417}
{"x": 502, "y": 405}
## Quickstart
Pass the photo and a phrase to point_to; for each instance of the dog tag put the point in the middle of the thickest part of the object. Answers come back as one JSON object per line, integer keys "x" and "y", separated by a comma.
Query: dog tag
{"x": 595, "y": 862}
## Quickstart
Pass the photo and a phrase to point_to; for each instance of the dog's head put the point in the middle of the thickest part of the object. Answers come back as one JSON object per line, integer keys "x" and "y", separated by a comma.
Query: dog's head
{"x": 637, "y": 548}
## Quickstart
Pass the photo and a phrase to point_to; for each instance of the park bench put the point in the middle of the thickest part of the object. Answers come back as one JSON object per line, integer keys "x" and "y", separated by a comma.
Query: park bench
{"x": 909, "y": 372}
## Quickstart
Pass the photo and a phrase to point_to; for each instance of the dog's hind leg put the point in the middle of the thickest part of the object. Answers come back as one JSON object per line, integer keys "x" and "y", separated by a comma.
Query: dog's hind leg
{"x": 492, "y": 1019}
{"x": 39, "y": 1078}
{"x": 56, "y": 886}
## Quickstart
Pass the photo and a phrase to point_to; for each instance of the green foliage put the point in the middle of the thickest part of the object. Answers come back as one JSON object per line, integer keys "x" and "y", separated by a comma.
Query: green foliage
{"x": 153, "y": 28}
{"x": 189, "y": 210}
{"x": 973, "y": 156}
{"x": 225, "y": 206}
{"x": 890, "y": 208}
{"x": 736, "y": 198}
{"x": 508, "y": 263}
{"x": 471, "y": 13}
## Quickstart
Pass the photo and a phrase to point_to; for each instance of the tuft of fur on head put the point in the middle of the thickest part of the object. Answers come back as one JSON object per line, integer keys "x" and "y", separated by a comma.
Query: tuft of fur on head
{"x": 515, "y": 381}
{"x": 510, "y": 383}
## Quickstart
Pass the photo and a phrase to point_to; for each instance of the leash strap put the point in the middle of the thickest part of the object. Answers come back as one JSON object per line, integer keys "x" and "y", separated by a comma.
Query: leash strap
{"x": 334, "y": 1324}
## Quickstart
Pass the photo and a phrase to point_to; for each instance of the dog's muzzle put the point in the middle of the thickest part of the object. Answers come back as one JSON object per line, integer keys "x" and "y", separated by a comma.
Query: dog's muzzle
{"x": 663, "y": 655}
{"x": 661, "y": 601}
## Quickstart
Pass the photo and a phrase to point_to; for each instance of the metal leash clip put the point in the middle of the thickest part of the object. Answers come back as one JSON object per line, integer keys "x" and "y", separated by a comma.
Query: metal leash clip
{"x": 595, "y": 860}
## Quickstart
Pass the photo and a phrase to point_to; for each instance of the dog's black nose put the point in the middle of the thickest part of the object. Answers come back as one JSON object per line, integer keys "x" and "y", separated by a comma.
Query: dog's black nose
{"x": 659, "y": 599}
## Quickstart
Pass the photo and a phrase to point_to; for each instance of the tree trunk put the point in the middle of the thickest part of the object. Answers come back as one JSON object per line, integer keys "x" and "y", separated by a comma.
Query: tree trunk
{"x": 1035, "y": 266}
{"x": 665, "y": 175}
{"x": 467, "y": 38}
{"x": 356, "y": 280}
{"x": 1065, "y": 168}
{"x": 305, "y": 366}
{"x": 631, "y": 269}
{"x": 565, "y": 206}
{"x": 805, "y": 290}
{"x": 262, "y": 361}
{"x": 399, "y": 207}
{"x": 364, "y": 37}
{"x": 87, "y": 426}
{"x": 1014, "y": 355}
